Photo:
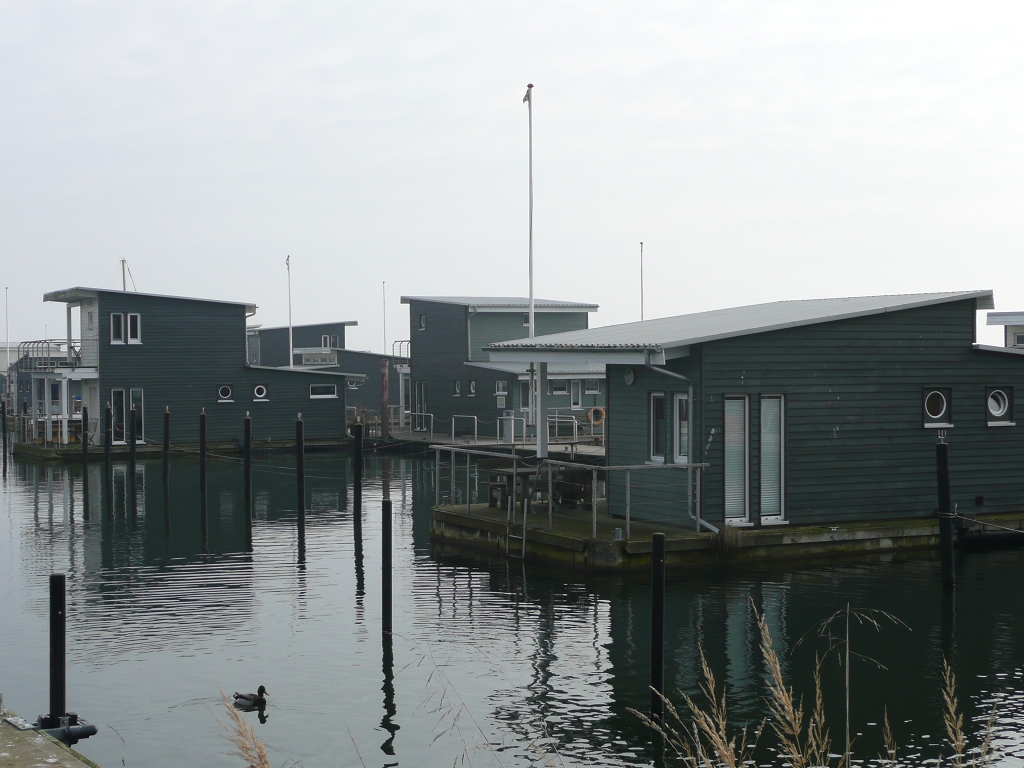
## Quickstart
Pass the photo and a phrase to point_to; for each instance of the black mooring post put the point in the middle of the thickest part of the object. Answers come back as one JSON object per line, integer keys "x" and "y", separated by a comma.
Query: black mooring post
{"x": 945, "y": 514}
{"x": 357, "y": 439}
{"x": 3, "y": 420}
{"x": 657, "y": 625}
{"x": 167, "y": 442}
{"x": 247, "y": 469}
{"x": 385, "y": 565}
{"x": 202, "y": 455}
{"x": 58, "y": 691}
{"x": 133, "y": 442}
{"x": 300, "y": 485}
{"x": 108, "y": 429}
{"x": 85, "y": 462}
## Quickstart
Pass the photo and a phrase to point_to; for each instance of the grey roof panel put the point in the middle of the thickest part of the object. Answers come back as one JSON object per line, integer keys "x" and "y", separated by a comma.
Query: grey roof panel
{"x": 78, "y": 292}
{"x": 682, "y": 330}
{"x": 1005, "y": 318}
{"x": 517, "y": 302}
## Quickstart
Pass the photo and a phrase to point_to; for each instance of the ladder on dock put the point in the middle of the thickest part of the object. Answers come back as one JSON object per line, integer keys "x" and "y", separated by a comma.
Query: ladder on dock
{"x": 519, "y": 539}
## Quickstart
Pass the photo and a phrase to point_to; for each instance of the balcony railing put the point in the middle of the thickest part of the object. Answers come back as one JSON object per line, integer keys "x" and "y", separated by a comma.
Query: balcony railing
{"x": 49, "y": 354}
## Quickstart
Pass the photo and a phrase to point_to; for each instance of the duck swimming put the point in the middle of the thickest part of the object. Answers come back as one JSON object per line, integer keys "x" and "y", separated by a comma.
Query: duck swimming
{"x": 258, "y": 699}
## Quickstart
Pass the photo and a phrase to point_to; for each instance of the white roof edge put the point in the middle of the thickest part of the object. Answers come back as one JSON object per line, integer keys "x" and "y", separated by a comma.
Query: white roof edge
{"x": 495, "y": 303}
{"x": 73, "y": 294}
{"x": 286, "y": 369}
{"x": 1004, "y": 350}
{"x": 1005, "y": 318}
{"x": 985, "y": 301}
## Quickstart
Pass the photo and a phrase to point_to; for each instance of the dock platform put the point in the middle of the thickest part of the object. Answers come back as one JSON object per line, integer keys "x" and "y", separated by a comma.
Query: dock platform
{"x": 28, "y": 749}
{"x": 569, "y": 543}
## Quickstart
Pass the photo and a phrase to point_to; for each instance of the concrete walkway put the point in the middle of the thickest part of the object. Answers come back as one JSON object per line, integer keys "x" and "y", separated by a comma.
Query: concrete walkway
{"x": 32, "y": 749}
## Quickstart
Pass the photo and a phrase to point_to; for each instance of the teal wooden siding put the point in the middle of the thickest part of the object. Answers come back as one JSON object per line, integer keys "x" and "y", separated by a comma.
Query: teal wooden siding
{"x": 855, "y": 447}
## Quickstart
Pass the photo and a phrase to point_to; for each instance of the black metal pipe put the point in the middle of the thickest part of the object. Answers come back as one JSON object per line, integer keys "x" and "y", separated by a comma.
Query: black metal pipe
{"x": 657, "y": 625}
{"x": 58, "y": 609}
{"x": 300, "y": 484}
{"x": 167, "y": 442}
{"x": 385, "y": 564}
{"x": 945, "y": 514}
{"x": 247, "y": 471}
{"x": 357, "y": 439}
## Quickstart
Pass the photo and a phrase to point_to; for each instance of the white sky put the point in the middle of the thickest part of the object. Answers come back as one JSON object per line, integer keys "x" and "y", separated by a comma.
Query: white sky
{"x": 761, "y": 151}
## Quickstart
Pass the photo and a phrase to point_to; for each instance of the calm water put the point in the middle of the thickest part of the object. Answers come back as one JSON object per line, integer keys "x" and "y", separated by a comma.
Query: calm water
{"x": 164, "y": 613}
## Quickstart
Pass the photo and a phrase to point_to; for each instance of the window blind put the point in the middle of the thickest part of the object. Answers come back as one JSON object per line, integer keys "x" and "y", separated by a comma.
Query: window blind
{"x": 771, "y": 457}
{"x": 735, "y": 458}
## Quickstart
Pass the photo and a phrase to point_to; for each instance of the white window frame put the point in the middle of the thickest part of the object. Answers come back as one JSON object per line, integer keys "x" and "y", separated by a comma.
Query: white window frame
{"x": 1018, "y": 339}
{"x": 231, "y": 393}
{"x": 745, "y": 520}
{"x": 779, "y": 519}
{"x": 591, "y": 390}
{"x": 121, "y": 325}
{"x": 526, "y": 319}
{"x": 333, "y": 396}
{"x": 677, "y": 398}
{"x": 325, "y": 340}
{"x": 576, "y": 394}
{"x": 336, "y": 342}
{"x": 562, "y": 387}
{"x": 138, "y": 327}
{"x": 1006, "y": 420}
{"x": 266, "y": 394}
{"x": 456, "y": 387}
{"x": 652, "y": 457}
{"x": 423, "y": 322}
{"x": 124, "y": 417}
{"x": 472, "y": 388}
{"x": 501, "y": 388}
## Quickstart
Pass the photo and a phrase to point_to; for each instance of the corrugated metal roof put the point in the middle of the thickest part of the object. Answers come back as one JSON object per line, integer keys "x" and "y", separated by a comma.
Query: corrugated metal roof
{"x": 583, "y": 370}
{"x": 1005, "y": 318}
{"x": 682, "y": 330}
{"x": 512, "y": 302}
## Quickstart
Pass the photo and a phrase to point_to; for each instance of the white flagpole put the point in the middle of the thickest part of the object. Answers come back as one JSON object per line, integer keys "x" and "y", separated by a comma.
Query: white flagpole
{"x": 529, "y": 105}
{"x": 641, "y": 280}
{"x": 291, "y": 352}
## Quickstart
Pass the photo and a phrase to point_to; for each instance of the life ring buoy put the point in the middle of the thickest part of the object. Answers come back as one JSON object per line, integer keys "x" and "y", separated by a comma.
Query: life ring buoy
{"x": 596, "y": 415}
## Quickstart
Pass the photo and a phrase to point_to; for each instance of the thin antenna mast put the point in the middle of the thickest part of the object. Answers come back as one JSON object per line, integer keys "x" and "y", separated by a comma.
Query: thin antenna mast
{"x": 641, "y": 280}
{"x": 291, "y": 347}
{"x": 384, "y": 302}
{"x": 124, "y": 281}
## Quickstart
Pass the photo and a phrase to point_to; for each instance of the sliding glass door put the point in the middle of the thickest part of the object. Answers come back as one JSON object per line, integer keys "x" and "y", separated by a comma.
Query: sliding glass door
{"x": 772, "y": 461}
{"x": 736, "y": 507}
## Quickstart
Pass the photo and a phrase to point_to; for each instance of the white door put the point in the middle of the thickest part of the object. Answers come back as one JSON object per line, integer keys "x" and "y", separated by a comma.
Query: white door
{"x": 576, "y": 394}
{"x": 735, "y": 459}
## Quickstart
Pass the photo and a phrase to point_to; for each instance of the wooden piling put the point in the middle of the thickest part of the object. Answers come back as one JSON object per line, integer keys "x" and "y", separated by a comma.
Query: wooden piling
{"x": 202, "y": 455}
{"x": 85, "y": 462}
{"x": 3, "y": 420}
{"x": 945, "y": 514}
{"x": 357, "y": 440}
{"x": 133, "y": 440}
{"x": 300, "y": 485}
{"x": 657, "y": 625}
{"x": 108, "y": 436}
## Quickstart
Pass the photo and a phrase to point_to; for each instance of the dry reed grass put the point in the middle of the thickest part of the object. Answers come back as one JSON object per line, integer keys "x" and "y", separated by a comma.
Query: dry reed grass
{"x": 242, "y": 736}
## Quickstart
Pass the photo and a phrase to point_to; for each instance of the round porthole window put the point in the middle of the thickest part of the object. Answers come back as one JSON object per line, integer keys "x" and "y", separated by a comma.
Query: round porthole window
{"x": 259, "y": 392}
{"x": 224, "y": 393}
{"x": 998, "y": 403}
{"x": 472, "y": 387}
{"x": 629, "y": 376}
{"x": 935, "y": 405}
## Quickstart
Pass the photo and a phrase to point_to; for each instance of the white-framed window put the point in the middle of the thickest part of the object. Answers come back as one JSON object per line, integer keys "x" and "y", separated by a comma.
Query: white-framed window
{"x": 735, "y": 460}
{"x": 592, "y": 386}
{"x": 260, "y": 394}
{"x": 526, "y": 319}
{"x": 321, "y": 391}
{"x": 773, "y": 458}
{"x": 524, "y": 395}
{"x": 336, "y": 342}
{"x": 656, "y": 427}
{"x": 576, "y": 394}
{"x": 1018, "y": 339}
{"x": 117, "y": 328}
{"x": 90, "y": 320}
{"x": 225, "y": 393}
{"x": 681, "y": 429}
{"x": 501, "y": 387}
{"x": 134, "y": 328}
{"x": 937, "y": 407}
{"x": 472, "y": 388}
{"x": 423, "y": 322}
{"x": 316, "y": 358}
{"x": 999, "y": 406}
{"x": 456, "y": 388}
{"x": 558, "y": 387}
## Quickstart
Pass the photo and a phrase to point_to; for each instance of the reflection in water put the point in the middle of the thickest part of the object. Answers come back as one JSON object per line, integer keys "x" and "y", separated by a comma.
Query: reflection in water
{"x": 185, "y": 600}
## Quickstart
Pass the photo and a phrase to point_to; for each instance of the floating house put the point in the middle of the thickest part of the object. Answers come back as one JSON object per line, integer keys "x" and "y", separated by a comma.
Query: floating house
{"x": 152, "y": 353}
{"x": 452, "y": 376}
{"x": 806, "y": 412}
{"x": 321, "y": 347}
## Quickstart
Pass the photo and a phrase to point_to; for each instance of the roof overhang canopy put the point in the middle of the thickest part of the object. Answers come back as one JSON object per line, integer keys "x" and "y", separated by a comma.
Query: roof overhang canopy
{"x": 576, "y": 356}
{"x": 575, "y": 371}
{"x": 1005, "y": 318}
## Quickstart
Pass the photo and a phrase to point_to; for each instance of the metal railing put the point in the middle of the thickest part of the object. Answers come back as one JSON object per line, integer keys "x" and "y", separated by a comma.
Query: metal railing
{"x": 49, "y": 354}
{"x": 476, "y": 425}
{"x": 556, "y": 419}
{"x": 419, "y": 419}
{"x": 400, "y": 349}
{"x": 512, "y": 420}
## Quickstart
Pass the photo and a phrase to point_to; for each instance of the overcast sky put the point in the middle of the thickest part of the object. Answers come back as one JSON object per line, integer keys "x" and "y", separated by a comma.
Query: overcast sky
{"x": 761, "y": 151}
